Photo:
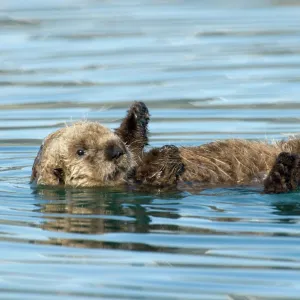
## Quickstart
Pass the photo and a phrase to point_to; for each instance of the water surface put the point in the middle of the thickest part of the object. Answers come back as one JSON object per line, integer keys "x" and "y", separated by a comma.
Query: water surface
{"x": 207, "y": 70}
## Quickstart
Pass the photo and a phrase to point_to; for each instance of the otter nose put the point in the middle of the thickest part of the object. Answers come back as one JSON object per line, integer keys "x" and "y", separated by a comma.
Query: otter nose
{"x": 114, "y": 152}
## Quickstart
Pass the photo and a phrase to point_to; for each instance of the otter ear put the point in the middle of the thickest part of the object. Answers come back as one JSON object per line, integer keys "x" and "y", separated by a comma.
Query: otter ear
{"x": 47, "y": 167}
{"x": 59, "y": 174}
{"x": 134, "y": 128}
{"x": 50, "y": 172}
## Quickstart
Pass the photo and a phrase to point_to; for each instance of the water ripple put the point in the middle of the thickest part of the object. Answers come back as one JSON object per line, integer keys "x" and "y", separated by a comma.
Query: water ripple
{"x": 207, "y": 70}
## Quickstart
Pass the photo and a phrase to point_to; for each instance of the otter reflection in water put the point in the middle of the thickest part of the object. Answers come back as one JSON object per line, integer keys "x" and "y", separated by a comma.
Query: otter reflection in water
{"x": 88, "y": 154}
{"x": 88, "y": 216}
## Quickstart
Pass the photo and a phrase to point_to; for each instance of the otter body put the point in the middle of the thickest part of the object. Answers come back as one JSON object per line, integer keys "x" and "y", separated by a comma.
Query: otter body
{"x": 88, "y": 154}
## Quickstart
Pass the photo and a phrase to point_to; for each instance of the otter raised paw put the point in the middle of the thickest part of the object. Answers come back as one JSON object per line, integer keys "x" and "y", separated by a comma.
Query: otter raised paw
{"x": 134, "y": 128}
{"x": 285, "y": 174}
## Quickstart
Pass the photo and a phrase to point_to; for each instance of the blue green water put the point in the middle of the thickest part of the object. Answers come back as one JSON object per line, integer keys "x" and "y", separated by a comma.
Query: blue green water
{"x": 207, "y": 70}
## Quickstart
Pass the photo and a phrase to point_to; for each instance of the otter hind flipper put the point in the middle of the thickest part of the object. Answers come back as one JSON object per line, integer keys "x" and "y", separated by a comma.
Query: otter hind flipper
{"x": 284, "y": 175}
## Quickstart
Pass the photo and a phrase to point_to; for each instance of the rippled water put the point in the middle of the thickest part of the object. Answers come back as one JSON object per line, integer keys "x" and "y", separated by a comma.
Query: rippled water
{"x": 207, "y": 70}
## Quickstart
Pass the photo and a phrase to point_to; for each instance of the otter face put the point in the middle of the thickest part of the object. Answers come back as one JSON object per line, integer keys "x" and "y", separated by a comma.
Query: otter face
{"x": 85, "y": 154}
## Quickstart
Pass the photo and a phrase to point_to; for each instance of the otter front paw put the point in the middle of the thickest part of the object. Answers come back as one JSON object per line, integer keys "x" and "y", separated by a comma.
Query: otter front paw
{"x": 285, "y": 174}
{"x": 160, "y": 167}
{"x": 140, "y": 113}
{"x": 134, "y": 127}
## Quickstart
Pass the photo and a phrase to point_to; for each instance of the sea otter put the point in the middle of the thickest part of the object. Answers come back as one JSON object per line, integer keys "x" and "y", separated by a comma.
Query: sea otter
{"x": 87, "y": 154}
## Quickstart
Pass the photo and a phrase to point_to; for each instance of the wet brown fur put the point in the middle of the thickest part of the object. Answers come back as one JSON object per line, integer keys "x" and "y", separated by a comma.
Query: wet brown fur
{"x": 232, "y": 161}
{"x": 227, "y": 162}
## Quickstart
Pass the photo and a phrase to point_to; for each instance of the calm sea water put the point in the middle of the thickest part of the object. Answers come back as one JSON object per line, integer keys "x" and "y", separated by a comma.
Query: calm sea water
{"x": 207, "y": 70}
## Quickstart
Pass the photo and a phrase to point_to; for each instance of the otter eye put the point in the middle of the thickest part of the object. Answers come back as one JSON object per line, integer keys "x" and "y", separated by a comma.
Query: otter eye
{"x": 80, "y": 152}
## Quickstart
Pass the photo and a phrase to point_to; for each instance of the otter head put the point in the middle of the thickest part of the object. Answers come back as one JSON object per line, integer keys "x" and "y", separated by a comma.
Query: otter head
{"x": 85, "y": 154}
